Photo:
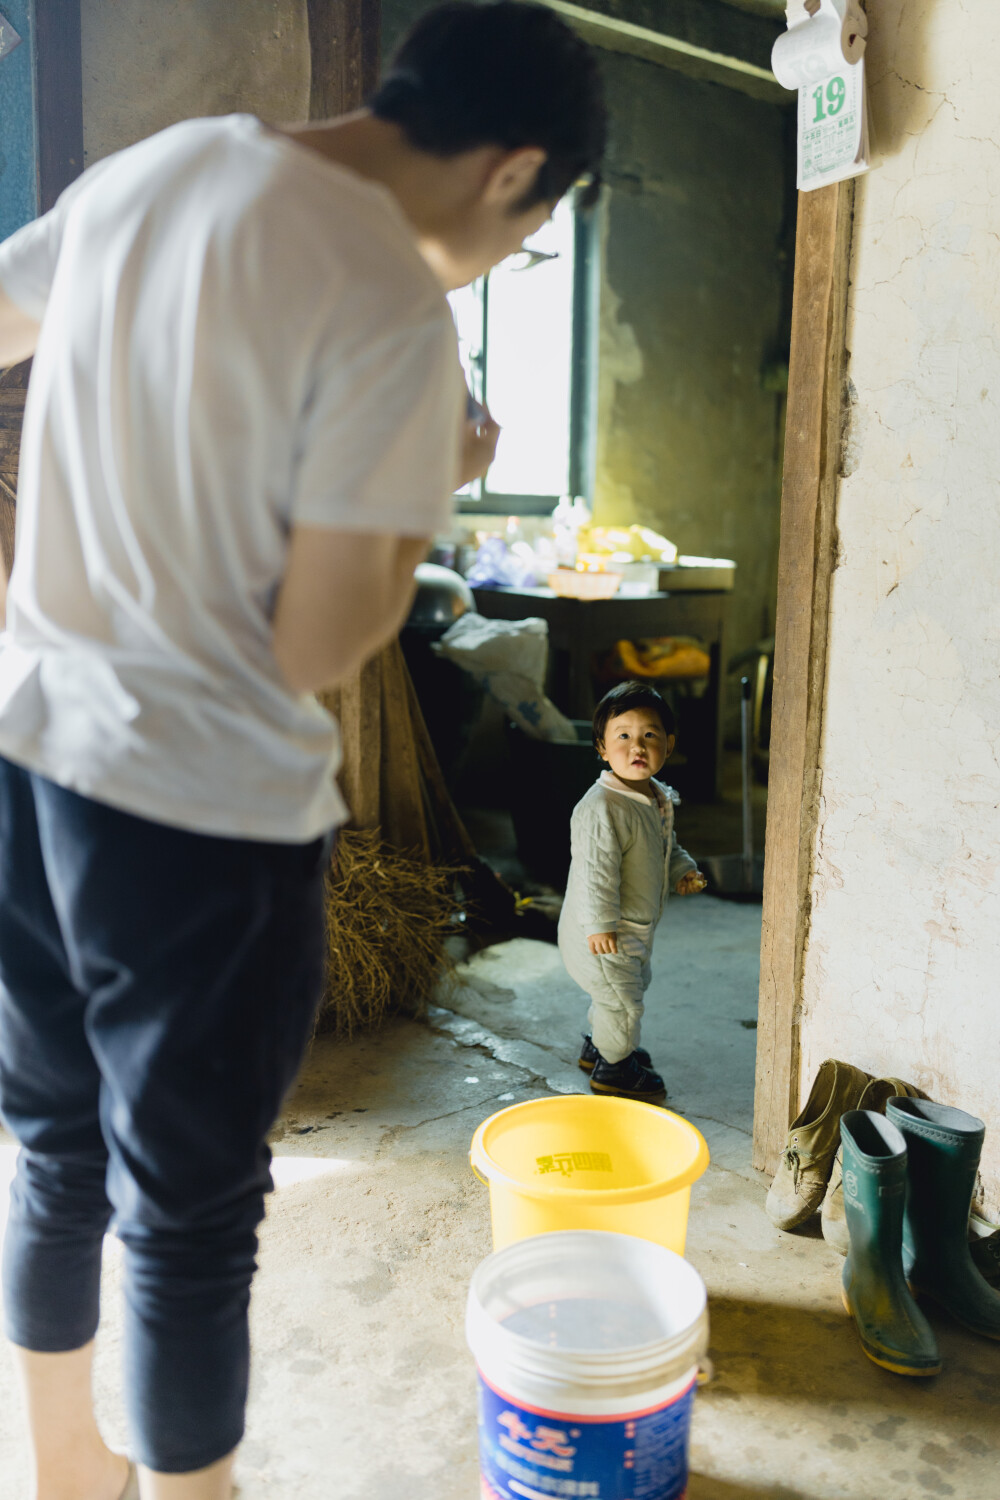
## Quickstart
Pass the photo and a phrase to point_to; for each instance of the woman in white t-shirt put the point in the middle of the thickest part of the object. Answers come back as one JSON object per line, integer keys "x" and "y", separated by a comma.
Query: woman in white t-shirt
{"x": 242, "y": 428}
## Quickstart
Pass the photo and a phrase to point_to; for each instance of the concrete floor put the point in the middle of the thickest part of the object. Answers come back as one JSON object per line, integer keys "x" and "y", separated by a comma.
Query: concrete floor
{"x": 363, "y": 1388}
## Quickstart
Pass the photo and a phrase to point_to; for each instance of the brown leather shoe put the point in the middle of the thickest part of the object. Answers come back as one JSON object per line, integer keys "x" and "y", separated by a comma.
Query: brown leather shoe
{"x": 807, "y": 1160}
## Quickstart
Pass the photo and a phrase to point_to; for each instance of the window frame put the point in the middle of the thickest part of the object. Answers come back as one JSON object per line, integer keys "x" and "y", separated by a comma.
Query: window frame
{"x": 582, "y": 398}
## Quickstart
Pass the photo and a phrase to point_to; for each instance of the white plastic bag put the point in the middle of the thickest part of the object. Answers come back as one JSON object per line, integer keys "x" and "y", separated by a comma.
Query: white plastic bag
{"x": 508, "y": 658}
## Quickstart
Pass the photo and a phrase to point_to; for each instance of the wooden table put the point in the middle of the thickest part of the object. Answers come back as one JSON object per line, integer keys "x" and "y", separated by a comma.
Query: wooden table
{"x": 578, "y": 628}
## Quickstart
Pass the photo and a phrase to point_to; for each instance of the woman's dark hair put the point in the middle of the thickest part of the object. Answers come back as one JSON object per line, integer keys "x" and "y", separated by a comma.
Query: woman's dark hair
{"x": 623, "y": 698}
{"x": 506, "y": 74}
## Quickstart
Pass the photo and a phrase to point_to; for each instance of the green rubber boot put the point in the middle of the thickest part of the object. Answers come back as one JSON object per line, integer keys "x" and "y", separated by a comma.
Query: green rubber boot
{"x": 894, "y": 1332}
{"x": 876, "y": 1096}
{"x": 943, "y": 1149}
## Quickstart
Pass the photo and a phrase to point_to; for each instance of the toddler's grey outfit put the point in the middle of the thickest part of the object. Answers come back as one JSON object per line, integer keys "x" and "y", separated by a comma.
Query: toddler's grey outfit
{"x": 625, "y": 861}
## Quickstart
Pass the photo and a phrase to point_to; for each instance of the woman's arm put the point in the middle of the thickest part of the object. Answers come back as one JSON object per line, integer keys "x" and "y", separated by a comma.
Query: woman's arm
{"x": 343, "y": 596}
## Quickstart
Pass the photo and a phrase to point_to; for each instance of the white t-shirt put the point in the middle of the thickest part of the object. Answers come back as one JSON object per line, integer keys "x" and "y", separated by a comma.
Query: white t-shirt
{"x": 237, "y": 335}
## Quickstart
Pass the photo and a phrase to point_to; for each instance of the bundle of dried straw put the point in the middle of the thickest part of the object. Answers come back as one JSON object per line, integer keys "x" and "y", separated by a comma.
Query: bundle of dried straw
{"x": 389, "y": 917}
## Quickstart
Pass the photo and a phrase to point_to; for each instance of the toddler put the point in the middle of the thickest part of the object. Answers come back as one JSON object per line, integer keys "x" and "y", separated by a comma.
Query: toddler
{"x": 625, "y": 858}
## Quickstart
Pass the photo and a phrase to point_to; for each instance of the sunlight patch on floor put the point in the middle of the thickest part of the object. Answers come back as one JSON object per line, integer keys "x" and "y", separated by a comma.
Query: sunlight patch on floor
{"x": 288, "y": 1169}
{"x": 285, "y": 1170}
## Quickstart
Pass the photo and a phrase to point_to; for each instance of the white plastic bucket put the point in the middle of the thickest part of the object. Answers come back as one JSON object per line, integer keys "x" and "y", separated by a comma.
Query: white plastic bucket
{"x": 588, "y": 1347}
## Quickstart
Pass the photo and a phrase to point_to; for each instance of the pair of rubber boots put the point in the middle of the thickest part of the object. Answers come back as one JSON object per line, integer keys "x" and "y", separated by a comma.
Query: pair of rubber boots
{"x": 908, "y": 1180}
{"x": 810, "y": 1176}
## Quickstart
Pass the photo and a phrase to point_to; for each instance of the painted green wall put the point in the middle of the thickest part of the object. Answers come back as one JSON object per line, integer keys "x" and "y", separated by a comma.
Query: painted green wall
{"x": 18, "y": 165}
{"x": 694, "y": 298}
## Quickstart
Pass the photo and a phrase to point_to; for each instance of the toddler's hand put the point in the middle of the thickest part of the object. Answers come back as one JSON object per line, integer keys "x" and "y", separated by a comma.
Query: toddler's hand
{"x": 690, "y": 883}
{"x": 603, "y": 942}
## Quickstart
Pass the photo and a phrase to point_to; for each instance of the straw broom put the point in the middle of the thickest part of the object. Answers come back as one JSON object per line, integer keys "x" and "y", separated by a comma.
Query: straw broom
{"x": 393, "y": 890}
{"x": 388, "y": 919}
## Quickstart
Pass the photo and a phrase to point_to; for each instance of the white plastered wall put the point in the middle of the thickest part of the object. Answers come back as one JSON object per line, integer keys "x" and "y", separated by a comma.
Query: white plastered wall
{"x": 902, "y": 969}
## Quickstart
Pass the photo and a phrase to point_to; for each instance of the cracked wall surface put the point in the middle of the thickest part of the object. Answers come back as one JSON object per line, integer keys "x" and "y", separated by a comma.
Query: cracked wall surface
{"x": 902, "y": 969}
{"x": 147, "y": 66}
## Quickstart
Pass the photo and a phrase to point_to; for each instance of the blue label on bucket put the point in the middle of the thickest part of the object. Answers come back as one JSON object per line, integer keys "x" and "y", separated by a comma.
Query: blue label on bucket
{"x": 527, "y": 1454}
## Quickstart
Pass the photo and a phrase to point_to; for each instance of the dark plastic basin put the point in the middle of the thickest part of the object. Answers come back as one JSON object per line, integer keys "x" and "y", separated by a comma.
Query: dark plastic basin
{"x": 549, "y": 778}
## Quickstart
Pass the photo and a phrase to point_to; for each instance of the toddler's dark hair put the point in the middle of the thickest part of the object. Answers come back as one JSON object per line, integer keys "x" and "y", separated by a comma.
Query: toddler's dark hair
{"x": 623, "y": 698}
{"x": 501, "y": 74}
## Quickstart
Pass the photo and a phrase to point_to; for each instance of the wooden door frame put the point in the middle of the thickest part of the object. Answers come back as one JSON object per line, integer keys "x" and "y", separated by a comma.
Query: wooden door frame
{"x": 345, "y": 38}
{"x": 806, "y": 560}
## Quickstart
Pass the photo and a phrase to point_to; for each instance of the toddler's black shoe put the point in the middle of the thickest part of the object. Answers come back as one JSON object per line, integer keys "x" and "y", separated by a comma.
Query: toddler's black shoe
{"x": 589, "y": 1055}
{"x": 627, "y": 1079}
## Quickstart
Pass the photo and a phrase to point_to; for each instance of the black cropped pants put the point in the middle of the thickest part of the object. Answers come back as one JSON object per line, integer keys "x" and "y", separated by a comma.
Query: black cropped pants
{"x": 157, "y": 992}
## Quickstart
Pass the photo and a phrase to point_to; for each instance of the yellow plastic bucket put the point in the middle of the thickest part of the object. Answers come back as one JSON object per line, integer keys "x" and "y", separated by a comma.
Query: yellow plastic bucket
{"x": 577, "y": 1161}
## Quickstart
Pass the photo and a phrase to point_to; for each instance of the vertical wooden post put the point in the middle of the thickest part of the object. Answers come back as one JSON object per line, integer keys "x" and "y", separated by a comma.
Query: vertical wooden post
{"x": 344, "y": 37}
{"x": 344, "y": 41}
{"x": 357, "y": 707}
{"x": 805, "y": 565}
